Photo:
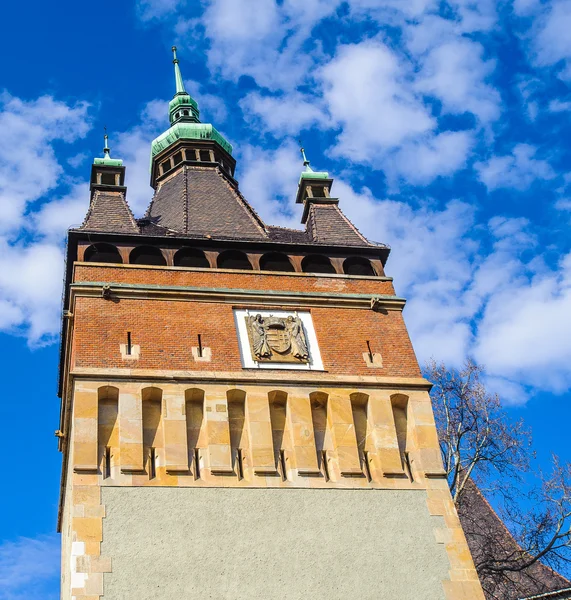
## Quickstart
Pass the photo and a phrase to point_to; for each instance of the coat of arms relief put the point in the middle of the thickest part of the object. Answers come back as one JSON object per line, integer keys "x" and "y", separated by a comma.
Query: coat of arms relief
{"x": 277, "y": 339}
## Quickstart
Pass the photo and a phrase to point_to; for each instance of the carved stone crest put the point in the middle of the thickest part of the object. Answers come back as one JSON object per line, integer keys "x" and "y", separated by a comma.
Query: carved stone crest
{"x": 277, "y": 339}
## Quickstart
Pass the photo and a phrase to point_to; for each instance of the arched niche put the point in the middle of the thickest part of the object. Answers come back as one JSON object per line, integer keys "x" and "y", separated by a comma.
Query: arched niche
{"x": 357, "y": 265}
{"x": 147, "y": 255}
{"x": 190, "y": 257}
{"x": 233, "y": 259}
{"x": 102, "y": 253}
{"x": 152, "y": 394}
{"x": 276, "y": 261}
{"x": 108, "y": 393}
{"x": 315, "y": 263}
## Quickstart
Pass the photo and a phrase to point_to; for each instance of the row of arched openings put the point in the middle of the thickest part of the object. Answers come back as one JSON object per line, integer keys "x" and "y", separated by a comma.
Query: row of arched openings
{"x": 230, "y": 259}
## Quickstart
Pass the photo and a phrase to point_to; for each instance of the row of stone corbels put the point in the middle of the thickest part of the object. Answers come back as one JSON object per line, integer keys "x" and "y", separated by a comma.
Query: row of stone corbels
{"x": 381, "y": 444}
{"x": 254, "y": 258}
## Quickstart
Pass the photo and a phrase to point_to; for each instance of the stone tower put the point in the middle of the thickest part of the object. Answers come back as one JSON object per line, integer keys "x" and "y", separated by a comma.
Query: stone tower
{"x": 243, "y": 415}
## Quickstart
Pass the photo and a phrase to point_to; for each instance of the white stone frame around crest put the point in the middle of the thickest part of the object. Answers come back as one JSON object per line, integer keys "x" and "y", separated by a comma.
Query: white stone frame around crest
{"x": 315, "y": 363}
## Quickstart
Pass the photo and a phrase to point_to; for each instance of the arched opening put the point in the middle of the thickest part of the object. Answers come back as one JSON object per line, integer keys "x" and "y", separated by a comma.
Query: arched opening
{"x": 355, "y": 265}
{"x": 102, "y": 253}
{"x": 108, "y": 428}
{"x": 147, "y": 255}
{"x": 316, "y": 264}
{"x": 190, "y": 257}
{"x": 399, "y": 403}
{"x": 318, "y": 402}
{"x": 153, "y": 442}
{"x": 275, "y": 261}
{"x": 195, "y": 428}
{"x": 233, "y": 259}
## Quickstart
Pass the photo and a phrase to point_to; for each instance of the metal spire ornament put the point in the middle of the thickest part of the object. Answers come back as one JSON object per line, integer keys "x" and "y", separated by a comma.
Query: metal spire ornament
{"x": 177, "y": 74}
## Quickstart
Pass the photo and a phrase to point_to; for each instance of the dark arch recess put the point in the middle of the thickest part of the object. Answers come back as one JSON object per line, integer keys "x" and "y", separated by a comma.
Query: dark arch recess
{"x": 356, "y": 265}
{"x": 275, "y": 261}
{"x": 317, "y": 264}
{"x": 233, "y": 259}
{"x": 147, "y": 255}
{"x": 102, "y": 253}
{"x": 190, "y": 257}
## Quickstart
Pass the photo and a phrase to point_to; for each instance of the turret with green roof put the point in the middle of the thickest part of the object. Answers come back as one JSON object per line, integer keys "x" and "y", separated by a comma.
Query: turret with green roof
{"x": 184, "y": 119}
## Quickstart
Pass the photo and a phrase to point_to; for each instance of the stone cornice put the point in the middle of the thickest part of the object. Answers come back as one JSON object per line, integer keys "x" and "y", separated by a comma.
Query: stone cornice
{"x": 233, "y": 296}
{"x": 313, "y": 379}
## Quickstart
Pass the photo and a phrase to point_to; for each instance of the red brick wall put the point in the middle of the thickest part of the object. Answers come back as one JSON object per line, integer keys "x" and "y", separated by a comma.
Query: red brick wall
{"x": 216, "y": 279}
{"x": 167, "y": 329}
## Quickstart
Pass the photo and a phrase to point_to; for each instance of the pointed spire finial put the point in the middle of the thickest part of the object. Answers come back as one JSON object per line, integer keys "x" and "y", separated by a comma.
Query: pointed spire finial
{"x": 106, "y": 150}
{"x": 177, "y": 74}
{"x": 305, "y": 161}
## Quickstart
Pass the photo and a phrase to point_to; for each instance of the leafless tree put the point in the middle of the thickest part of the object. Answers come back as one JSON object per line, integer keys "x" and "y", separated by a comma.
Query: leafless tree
{"x": 484, "y": 449}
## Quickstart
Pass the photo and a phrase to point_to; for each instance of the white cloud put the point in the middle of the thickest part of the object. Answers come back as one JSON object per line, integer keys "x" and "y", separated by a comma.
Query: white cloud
{"x": 367, "y": 93}
{"x": 559, "y": 106}
{"x": 28, "y": 166}
{"x": 55, "y": 217}
{"x": 31, "y": 258}
{"x": 134, "y": 148}
{"x": 524, "y": 8}
{"x": 211, "y": 105}
{"x": 251, "y": 38}
{"x": 275, "y": 202}
{"x": 552, "y": 42}
{"x": 419, "y": 162}
{"x": 30, "y": 568}
{"x": 288, "y": 114}
{"x": 517, "y": 170}
{"x": 525, "y": 333}
{"x": 455, "y": 73}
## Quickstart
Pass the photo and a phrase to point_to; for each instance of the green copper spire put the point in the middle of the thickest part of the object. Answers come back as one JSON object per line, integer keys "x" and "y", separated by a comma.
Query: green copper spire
{"x": 309, "y": 173}
{"x": 182, "y": 108}
{"x": 183, "y": 116}
{"x": 107, "y": 160}
{"x": 177, "y": 74}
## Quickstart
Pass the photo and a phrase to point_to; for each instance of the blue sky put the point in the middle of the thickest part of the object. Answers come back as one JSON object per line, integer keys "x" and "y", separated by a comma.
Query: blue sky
{"x": 445, "y": 123}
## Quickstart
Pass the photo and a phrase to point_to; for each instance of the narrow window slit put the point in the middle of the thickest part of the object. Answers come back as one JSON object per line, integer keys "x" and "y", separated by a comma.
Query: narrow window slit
{"x": 325, "y": 465}
{"x": 370, "y": 351}
{"x": 196, "y": 463}
{"x": 200, "y": 345}
{"x": 152, "y": 463}
{"x": 107, "y": 463}
{"x": 367, "y": 465}
{"x": 240, "y": 463}
{"x": 408, "y": 466}
{"x": 283, "y": 465}
{"x": 129, "y": 343}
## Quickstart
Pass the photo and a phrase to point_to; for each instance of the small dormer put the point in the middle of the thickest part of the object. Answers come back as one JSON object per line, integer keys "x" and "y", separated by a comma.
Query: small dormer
{"x": 314, "y": 188}
{"x": 107, "y": 172}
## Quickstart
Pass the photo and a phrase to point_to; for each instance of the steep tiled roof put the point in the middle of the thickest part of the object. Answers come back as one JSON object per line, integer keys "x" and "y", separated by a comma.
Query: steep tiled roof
{"x": 327, "y": 224}
{"x": 109, "y": 212}
{"x": 487, "y": 537}
{"x": 200, "y": 201}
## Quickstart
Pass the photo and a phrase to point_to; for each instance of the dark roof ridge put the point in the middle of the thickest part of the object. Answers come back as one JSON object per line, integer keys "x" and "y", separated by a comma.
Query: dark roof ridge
{"x": 244, "y": 202}
{"x": 123, "y": 206}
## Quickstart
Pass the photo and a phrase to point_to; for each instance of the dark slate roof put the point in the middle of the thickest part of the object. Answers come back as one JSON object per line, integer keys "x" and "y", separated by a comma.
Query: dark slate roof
{"x": 197, "y": 202}
{"x": 487, "y": 536}
{"x": 285, "y": 235}
{"x": 326, "y": 224}
{"x": 200, "y": 201}
{"x": 109, "y": 212}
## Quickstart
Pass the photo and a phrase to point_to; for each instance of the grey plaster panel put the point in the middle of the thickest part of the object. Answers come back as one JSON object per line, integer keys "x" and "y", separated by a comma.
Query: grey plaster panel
{"x": 271, "y": 544}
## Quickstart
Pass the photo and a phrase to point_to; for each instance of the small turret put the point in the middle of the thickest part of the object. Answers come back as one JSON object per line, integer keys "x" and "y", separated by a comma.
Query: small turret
{"x": 107, "y": 172}
{"x": 313, "y": 187}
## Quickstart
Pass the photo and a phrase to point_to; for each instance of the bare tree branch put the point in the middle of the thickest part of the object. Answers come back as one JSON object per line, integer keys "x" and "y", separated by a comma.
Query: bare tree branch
{"x": 483, "y": 448}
